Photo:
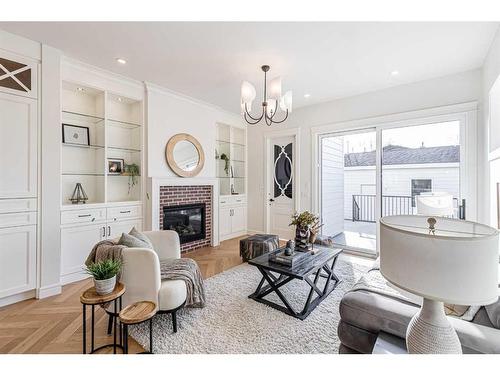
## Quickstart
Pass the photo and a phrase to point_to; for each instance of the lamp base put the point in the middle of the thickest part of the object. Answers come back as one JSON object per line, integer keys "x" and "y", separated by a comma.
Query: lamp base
{"x": 430, "y": 332}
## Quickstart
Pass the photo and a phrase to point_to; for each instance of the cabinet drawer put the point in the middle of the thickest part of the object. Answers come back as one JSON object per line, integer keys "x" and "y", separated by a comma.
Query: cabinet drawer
{"x": 17, "y": 219}
{"x": 232, "y": 200}
{"x": 124, "y": 212}
{"x": 83, "y": 216}
{"x": 17, "y": 205}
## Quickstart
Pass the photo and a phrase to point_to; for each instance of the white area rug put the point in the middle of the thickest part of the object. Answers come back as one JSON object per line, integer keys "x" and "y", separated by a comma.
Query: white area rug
{"x": 233, "y": 323}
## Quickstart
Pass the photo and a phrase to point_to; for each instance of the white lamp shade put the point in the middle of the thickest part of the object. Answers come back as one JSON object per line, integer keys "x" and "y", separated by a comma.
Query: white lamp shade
{"x": 247, "y": 92}
{"x": 286, "y": 102}
{"x": 458, "y": 264}
{"x": 271, "y": 106}
{"x": 275, "y": 88}
{"x": 434, "y": 204}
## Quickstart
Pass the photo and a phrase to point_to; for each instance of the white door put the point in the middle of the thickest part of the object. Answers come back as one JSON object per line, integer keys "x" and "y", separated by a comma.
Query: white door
{"x": 281, "y": 186}
{"x": 17, "y": 259}
{"x": 224, "y": 223}
{"x": 115, "y": 230}
{"x": 18, "y": 146}
{"x": 76, "y": 244}
{"x": 239, "y": 219}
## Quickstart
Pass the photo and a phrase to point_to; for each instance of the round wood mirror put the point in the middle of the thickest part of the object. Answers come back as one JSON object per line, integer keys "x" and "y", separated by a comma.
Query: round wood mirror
{"x": 185, "y": 155}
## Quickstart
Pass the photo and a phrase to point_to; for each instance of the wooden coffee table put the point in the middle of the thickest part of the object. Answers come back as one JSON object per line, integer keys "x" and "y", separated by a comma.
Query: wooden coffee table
{"x": 317, "y": 265}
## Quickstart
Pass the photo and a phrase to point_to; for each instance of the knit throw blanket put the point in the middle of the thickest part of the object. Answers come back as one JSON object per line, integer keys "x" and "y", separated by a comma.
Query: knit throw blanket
{"x": 170, "y": 269}
{"x": 185, "y": 269}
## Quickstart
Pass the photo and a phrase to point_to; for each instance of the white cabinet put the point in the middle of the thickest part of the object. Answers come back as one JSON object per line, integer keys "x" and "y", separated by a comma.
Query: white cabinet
{"x": 82, "y": 228}
{"x": 17, "y": 260}
{"x": 232, "y": 217}
{"x": 18, "y": 146}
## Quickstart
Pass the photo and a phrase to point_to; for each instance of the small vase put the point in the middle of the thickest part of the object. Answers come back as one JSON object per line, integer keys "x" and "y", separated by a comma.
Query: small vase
{"x": 103, "y": 287}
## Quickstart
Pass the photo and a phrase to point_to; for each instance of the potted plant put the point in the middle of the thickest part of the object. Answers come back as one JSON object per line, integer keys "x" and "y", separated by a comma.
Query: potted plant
{"x": 304, "y": 222}
{"x": 226, "y": 163}
{"x": 104, "y": 274}
{"x": 131, "y": 170}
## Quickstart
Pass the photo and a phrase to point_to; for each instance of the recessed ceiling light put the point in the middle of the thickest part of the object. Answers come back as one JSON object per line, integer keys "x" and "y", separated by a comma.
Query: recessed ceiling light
{"x": 80, "y": 88}
{"x": 307, "y": 96}
{"x": 120, "y": 99}
{"x": 119, "y": 60}
{"x": 395, "y": 73}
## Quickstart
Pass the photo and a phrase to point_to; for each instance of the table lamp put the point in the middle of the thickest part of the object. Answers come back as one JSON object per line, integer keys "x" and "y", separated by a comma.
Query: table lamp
{"x": 444, "y": 261}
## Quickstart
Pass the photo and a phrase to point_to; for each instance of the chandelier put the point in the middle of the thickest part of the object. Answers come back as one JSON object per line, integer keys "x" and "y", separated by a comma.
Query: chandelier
{"x": 272, "y": 101}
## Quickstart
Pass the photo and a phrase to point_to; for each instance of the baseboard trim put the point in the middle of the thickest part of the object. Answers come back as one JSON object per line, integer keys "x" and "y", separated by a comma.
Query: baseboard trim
{"x": 73, "y": 277}
{"x": 17, "y": 298}
{"x": 253, "y": 231}
{"x": 48, "y": 291}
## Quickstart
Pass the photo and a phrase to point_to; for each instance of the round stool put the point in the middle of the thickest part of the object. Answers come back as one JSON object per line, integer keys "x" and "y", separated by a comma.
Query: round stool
{"x": 136, "y": 313}
{"x": 90, "y": 297}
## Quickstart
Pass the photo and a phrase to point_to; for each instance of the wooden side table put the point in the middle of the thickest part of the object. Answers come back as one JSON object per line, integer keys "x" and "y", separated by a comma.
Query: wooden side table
{"x": 90, "y": 297}
{"x": 134, "y": 314}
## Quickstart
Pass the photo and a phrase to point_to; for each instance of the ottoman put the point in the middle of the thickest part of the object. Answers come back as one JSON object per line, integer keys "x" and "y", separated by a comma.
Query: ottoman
{"x": 258, "y": 244}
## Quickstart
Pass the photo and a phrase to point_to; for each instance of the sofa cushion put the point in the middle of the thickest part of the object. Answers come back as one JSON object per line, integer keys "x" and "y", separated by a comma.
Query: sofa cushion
{"x": 172, "y": 294}
{"x": 131, "y": 241}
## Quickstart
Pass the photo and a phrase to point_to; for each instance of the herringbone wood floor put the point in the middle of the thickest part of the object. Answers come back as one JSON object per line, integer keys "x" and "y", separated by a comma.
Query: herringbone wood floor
{"x": 54, "y": 324}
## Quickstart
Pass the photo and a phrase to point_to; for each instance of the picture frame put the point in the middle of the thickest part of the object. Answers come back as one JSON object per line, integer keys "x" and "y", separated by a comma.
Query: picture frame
{"x": 75, "y": 135}
{"x": 116, "y": 166}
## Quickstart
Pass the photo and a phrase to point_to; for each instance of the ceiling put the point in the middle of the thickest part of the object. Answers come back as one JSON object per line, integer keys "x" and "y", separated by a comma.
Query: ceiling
{"x": 208, "y": 61}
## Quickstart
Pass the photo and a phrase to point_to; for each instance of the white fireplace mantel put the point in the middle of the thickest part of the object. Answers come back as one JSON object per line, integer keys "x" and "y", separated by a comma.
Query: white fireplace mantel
{"x": 157, "y": 182}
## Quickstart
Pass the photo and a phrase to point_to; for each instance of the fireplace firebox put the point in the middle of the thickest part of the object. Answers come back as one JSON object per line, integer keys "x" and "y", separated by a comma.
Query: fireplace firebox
{"x": 187, "y": 220}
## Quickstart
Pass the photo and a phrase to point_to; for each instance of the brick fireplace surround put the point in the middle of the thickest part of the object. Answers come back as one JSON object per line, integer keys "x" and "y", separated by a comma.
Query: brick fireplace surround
{"x": 179, "y": 195}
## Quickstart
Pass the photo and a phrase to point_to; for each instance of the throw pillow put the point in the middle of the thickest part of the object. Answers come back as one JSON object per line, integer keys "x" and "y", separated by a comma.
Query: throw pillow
{"x": 493, "y": 311}
{"x": 131, "y": 241}
{"x": 141, "y": 236}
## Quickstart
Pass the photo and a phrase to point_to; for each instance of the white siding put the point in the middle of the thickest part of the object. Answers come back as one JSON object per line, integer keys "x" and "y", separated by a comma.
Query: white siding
{"x": 396, "y": 180}
{"x": 332, "y": 185}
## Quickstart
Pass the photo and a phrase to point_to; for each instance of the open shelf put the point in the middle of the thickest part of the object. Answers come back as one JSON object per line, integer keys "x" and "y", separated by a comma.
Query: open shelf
{"x": 123, "y": 149}
{"x": 123, "y": 124}
{"x": 70, "y": 116}
{"x": 92, "y": 147}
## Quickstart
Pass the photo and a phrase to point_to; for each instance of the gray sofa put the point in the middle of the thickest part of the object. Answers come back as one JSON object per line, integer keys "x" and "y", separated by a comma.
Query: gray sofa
{"x": 364, "y": 313}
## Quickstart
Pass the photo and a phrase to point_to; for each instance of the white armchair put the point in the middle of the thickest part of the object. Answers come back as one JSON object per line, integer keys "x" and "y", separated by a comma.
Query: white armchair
{"x": 141, "y": 275}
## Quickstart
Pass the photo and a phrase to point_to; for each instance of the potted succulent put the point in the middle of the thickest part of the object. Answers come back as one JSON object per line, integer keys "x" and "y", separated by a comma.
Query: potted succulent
{"x": 104, "y": 274}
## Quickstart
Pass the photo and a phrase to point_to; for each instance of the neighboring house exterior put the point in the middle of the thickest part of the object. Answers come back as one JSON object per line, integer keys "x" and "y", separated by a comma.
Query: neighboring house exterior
{"x": 406, "y": 172}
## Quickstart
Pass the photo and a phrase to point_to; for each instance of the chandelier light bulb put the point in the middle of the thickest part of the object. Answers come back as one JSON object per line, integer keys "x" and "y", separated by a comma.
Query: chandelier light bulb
{"x": 248, "y": 92}
{"x": 275, "y": 88}
{"x": 286, "y": 102}
{"x": 271, "y": 106}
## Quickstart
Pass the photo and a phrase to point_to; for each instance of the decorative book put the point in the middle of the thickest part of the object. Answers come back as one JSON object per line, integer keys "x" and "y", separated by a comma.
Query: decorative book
{"x": 287, "y": 260}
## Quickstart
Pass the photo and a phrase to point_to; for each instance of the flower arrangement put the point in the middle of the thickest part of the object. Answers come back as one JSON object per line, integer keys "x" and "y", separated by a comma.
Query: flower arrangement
{"x": 305, "y": 219}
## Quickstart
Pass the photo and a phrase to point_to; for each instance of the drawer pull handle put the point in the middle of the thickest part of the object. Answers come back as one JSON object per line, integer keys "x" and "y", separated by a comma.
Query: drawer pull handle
{"x": 88, "y": 215}
{"x": 125, "y": 212}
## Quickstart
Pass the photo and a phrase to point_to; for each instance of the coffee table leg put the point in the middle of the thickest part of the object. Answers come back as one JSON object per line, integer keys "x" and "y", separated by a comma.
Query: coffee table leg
{"x": 84, "y": 351}
{"x": 121, "y": 333}
{"x": 92, "y": 329}
{"x": 114, "y": 329}
{"x": 151, "y": 335}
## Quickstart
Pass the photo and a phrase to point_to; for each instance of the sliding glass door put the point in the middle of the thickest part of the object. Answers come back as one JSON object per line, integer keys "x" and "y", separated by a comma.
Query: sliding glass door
{"x": 406, "y": 168}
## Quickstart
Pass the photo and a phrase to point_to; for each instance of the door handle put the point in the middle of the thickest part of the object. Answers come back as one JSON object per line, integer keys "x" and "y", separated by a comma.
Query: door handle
{"x": 103, "y": 232}
{"x": 109, "y": 230}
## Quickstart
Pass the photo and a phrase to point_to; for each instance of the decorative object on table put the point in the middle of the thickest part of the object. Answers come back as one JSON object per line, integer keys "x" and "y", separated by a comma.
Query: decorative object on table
{"x": 115, "y": 166}
{"x": 138, "y": 312}
{"x": 303, "y": 223}
{"x": 184, "y": 155}
{"x": 131, "y": 170}
{"x": 272, "y": 99}
{"x": 416, "y": 254}
{"x": 226, "y": 163}
{"x": 320, "y": 264}
{"x": 92, "y": 298}
{"x": 290, "y": 247}
{"x": 75, "y": 135}
{"x": 286, "y": 257}
{"x": 314, "y": 230}
{"x": 104, "y": 274}
{"x": 78, "y": 196}
{"x": 258, "y": 244}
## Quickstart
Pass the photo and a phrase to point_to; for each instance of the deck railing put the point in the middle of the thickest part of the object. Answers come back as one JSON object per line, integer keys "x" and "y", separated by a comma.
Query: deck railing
{"x": 363, "y": 207}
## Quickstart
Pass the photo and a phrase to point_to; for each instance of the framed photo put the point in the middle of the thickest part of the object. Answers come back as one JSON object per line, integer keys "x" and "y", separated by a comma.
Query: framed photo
{"x": 75, "y": 135}
{"x": 115, "y": 166}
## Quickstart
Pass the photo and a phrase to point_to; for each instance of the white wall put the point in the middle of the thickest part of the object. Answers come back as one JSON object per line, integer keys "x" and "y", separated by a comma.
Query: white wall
{"x": 489, "y": 136}
{"x": 453, "y": 89}
{"x": 169, "y": 114}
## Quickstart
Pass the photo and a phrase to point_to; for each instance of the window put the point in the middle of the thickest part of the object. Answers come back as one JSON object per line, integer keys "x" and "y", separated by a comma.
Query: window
{"x": 419, "y": 186}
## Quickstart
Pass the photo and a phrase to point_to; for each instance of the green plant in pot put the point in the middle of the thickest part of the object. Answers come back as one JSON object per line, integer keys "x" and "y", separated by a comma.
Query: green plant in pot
{"x": 226, "y": 162}
{"x": 132, "y": 170}
{"x": 104, "y": 273}
{"x": 304, "y": 222}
